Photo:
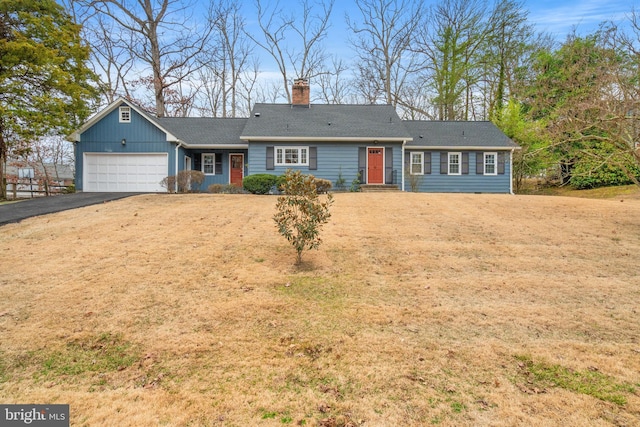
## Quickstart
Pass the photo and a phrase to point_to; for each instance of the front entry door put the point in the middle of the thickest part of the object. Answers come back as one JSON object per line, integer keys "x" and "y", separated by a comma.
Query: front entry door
{"x": 236, "y": 171}
{"x": 375, "y": 166}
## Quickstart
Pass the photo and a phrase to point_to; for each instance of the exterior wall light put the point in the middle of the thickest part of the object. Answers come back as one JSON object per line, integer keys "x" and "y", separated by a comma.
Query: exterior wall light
{"x": 123, "y": 142}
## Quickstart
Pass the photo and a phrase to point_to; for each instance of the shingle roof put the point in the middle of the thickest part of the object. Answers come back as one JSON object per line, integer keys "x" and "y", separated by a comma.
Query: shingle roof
{"x": 456, "y": 134}
{"x": 323, "y": 122}
{"x": 205, "y": 130}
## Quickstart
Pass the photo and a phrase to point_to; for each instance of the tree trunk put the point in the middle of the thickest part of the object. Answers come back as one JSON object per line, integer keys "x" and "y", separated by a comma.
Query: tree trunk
{"x": 3, "y": 161}
{"x": 158, "y": 85}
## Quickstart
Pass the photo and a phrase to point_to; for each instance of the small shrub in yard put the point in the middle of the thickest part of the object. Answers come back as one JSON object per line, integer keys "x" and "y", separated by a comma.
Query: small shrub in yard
{"x": 225, "y": 189}
{"x": 169, "y": 182}
{"x": 215, "y": 188}
{"x": 323, "y": 185}
{"x": 188, "y": 179}
{"x": 300, "y": 213}
{"x": 340, "y": 182}
{"x": 260, "y": 183}
{"x": 355, "y": 185}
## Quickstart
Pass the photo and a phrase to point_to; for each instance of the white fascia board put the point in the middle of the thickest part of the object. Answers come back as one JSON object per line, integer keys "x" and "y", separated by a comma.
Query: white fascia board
{"x": 459, "y": 148}
{"x": 216, "y": 146}
{"x": 75, "y": 136}
{"x": 319, "y": 139}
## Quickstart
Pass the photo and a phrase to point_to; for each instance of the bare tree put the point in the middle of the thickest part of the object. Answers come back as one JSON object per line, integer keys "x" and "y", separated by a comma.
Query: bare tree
{"x": 111, "y": 62}
{"x": 383, "y": 36}
{"x": 248, "y": 82}
{"x": 47, "y": 156}
{"x": 308, "y": 62}
{"x": 228, "y": 56}
{"x": 109, "y": 59}
{"x": 335, "y": 87}
{"x": 307, "y": 56}
{"x": 161, "y": 34}
{"x": 627, "y": 89}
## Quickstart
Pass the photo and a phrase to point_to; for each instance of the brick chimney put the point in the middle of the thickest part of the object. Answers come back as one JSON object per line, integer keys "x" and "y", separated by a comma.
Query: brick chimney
{"x": 300, "y": 92}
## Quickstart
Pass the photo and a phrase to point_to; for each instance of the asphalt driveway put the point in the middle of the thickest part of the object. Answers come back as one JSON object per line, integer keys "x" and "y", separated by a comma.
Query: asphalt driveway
{"x": 16, "y": 212}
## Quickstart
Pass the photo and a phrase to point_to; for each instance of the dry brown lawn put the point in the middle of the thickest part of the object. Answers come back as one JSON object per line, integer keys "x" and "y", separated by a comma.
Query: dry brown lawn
{"x": 418, "y": 309}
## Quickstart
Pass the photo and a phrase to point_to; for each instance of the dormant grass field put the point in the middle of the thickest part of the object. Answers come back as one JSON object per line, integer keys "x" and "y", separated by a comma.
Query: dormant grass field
{"x": 418, "y": 309}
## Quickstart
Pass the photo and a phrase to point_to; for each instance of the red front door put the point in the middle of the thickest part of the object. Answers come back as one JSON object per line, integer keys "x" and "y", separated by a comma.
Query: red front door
{"x": 375, "y": 166}
{"x": 237, "y": 169}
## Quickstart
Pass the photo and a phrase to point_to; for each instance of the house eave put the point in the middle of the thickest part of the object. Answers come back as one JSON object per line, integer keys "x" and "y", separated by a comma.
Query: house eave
{"x": 459, "y": 147}
{"x": 322, "y": 139}
{"x": 216, "y": 146}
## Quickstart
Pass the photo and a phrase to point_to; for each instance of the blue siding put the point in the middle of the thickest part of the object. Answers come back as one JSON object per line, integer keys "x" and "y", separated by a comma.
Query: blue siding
{"x": 333, "y": 159}
{"x": 106, "y": 136}
{"x": 471, "y": 183}
{"x": 221, "y": 178}
{"x": 109, "y": 129}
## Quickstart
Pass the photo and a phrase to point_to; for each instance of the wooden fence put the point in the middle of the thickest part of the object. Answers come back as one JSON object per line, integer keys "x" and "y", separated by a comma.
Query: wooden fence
{"x": 22, "y": 191}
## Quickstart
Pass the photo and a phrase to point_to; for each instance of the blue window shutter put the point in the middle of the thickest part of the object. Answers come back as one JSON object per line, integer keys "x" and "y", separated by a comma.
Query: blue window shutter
{"x": 218, "y": 170}
{"x": 388, "y": 165}
{"x": 479, "y": 163}
{"x": 427, "y": 162}
{"x": 197, "y": 162}
{"x": 465, "y": 163}
{"x": 313, "y": 158}
{"x": 501, "y": 162}
{"x": 270, "y": 160}
{"x": 444, "y": 163}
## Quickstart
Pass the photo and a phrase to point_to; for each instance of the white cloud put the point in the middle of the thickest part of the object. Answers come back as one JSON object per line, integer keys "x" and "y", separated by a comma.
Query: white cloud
{"x": 584, "y": 16}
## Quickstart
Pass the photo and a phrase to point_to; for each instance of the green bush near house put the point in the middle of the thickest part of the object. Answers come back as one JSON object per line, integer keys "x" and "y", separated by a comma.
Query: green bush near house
{"x": 260, "y": 183}
{"x": 586, "y": 176}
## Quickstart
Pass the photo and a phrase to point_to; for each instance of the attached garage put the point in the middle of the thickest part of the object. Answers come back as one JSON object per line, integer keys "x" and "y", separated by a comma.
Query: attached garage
{"x": 111, "y": 172}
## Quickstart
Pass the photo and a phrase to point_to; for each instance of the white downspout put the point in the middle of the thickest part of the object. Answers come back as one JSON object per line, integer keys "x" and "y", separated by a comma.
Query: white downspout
{"x": 178, "y": 145}
{"x": 511, "y": 172}
{"x": 402, "y": 162}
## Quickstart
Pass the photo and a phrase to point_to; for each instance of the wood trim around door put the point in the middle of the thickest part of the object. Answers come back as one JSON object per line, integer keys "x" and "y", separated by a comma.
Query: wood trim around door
{"x": 382, "y": 181}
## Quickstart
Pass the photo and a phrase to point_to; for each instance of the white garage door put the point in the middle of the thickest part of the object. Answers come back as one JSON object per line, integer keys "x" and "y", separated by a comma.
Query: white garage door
{"x": 124, "y": 172}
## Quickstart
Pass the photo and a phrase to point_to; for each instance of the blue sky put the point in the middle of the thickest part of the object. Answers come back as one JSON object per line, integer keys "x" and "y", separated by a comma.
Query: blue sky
{"x": 559, "y": 17}
{"x": 555, "y": 17}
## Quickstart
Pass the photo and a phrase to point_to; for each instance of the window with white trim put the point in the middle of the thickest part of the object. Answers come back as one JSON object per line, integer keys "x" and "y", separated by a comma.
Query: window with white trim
{"x": 209, "y": 163}
{"x": 417, "y": 163}
{"x": 125, "y": 114}
{"x": 490, "y": 163}
{"x": 455, "y": 160}
{"x": 292, "y": 156}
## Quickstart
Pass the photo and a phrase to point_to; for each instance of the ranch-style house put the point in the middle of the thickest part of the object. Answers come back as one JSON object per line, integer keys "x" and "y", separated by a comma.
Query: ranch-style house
{"x": 125, "y": 149}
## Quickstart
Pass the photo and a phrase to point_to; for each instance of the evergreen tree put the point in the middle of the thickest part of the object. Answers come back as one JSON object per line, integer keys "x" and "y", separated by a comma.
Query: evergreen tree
{"x": 46, "y": 86}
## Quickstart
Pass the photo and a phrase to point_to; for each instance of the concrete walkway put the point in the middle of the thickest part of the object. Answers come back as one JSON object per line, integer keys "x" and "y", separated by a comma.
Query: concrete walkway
{"x": 17, "y": 211}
